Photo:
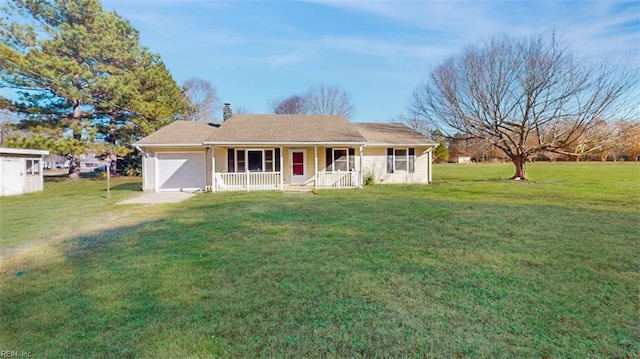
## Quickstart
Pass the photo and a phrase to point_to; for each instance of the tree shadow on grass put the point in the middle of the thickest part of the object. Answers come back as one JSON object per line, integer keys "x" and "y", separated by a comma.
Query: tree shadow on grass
{"x": 296, "y": 275}
{"x": 132, "y": 187}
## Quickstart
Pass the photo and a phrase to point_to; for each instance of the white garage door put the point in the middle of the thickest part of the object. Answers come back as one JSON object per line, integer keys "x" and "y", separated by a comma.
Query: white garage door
{"x": 181, "y": 171}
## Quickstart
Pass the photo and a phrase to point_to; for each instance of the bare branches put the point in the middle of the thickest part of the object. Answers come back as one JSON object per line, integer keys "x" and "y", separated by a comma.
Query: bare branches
{"x": 320, "y": 100}
{"x": 524, "y": 96}
{"x": 330, "y": 100}
{"x": 413, "y": 122}
{"x": 292, "y": 105}
{"x": 203, "y": 99}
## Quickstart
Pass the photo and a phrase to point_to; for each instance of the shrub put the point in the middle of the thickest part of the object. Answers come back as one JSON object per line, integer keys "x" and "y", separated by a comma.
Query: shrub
{"x": 130, "y": 165}
{"x": 368, "y": 178}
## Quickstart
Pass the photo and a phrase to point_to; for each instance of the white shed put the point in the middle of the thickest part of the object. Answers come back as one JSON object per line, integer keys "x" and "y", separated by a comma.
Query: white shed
{"x": 20, "y": 171}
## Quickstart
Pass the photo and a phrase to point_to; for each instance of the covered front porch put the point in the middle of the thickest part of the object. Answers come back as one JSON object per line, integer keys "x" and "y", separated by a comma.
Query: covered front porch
{"x": 252, "y": 168}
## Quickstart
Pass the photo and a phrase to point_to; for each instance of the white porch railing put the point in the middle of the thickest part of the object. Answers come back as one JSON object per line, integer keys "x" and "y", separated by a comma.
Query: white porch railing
{"x": 338, "y": 179}
{"x": 247, "y": 181}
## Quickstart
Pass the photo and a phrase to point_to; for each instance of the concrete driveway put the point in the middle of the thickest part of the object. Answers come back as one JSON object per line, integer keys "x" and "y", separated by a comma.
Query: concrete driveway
{"x": 159, "y": 197}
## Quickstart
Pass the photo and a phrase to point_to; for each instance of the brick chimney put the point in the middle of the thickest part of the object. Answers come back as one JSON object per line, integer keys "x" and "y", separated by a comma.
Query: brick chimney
{"x": 226, "y": 112}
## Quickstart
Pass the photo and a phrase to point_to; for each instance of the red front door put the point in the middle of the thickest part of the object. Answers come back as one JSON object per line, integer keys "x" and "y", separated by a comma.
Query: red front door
{"x": 298, "y": 174}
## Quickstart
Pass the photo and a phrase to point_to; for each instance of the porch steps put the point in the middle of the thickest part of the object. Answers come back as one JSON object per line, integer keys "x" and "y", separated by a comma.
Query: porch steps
{"x": 293, "y": 189}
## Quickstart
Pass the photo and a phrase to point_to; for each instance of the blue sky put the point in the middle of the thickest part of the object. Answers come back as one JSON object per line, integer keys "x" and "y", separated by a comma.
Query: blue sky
{"x": 378, "y": 51}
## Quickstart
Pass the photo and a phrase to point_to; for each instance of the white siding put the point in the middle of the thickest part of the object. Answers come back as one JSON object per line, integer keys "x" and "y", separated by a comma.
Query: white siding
{"x": 11, "y": 176}
{"x": 148, "y": 172}
{"x": 221, "y": 159}
{"x": 33, "y": 179}
{"x": 19, "y": 175}
{"x": 375, "y": 161}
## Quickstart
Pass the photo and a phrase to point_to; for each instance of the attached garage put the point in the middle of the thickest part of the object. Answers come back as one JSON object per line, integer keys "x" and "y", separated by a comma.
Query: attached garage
{"x": 181, "y": 171}
{"x": 20, "y": 171}
{"x": 174, "y": 158}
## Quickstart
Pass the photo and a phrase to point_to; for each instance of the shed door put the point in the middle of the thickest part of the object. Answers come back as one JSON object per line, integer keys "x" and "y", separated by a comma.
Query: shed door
{"x": 183, "y": 171}
{"x": 12, "y": 177}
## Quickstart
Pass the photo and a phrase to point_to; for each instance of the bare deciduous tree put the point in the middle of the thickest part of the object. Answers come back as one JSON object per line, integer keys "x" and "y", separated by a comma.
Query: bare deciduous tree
{"x": 524, "y": 96}
{"x": 292, "y": 105}
{"x": 203, "y": 99}
{"x": 599, "y": 138}
{"x": 242, "y": 110}
{"x": 318, "y": 100}
{"x": 413, "y": 122}
{"x": 629, "y": 138}
{"x": 329, "y": 100}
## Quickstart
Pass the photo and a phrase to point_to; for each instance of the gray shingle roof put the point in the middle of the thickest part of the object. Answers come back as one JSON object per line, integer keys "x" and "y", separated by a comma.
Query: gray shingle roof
{"x": 181, "y": 133}
{"x": 286, "y": 129}
{"x": 391, "y": 134}
{"x": 246, "y": 129}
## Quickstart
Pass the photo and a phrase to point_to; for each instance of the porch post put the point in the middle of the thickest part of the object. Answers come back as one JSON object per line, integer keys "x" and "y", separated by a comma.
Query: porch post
{"x": 144, "y": 169}
{"x": 429, "y": 165}
{"x": 315, "y": 170}
{"x": 281, "y": 168}
{"x": 361, "y": 175}
{"x": 213, "y": 169}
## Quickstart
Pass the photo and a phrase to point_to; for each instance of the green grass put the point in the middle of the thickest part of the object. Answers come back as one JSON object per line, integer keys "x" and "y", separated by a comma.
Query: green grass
{"x": 470, "y": 266}
{"x": 61, "y": 208}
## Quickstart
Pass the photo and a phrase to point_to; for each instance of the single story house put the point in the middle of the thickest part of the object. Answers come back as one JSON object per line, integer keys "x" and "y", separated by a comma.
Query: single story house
{"x": 21, "y": 171}
{"x": 275, "y": 152}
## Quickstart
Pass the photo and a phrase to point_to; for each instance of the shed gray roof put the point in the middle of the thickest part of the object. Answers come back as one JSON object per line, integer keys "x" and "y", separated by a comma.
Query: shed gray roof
{"x": 181, "y": 133}
{"x": 286, "y": 129}
{"x": 391, "y": 134}
{"x": 22, "y": 151}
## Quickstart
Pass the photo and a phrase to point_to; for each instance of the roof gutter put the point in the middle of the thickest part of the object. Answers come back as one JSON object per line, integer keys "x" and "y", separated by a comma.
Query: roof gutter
{"x": 138, "y": 145}
{"x": 400, "y": 144}
{"x": 276, "y": 143}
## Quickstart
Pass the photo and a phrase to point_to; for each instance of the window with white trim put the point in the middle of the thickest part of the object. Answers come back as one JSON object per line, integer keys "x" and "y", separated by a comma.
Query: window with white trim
{"x": 268, "y": 160}
{"x": 240, "y": 160}
{"x": 340, "y": 159}
{"x": 400, "y": 160}
{"x": 33, "y": 167}
{"x": 253, "y": 160}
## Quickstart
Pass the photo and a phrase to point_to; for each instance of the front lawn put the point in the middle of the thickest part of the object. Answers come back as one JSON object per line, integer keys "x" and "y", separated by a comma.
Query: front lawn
{"x": 63, "y": 208}
{"x": 471, "y": 266}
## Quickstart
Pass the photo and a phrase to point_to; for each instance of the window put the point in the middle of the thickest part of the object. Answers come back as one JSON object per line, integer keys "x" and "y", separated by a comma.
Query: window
{"x": 231, "y": 160}
{"x": 400, "y": 160}
{"x": 268, "y": 161}
{"x": 253, "y": 160}
{"x": 340, "y": 159}
{"x": 276, "y": 157}
{"x": 240, "y": 160}
{"x": 33, "y": 167}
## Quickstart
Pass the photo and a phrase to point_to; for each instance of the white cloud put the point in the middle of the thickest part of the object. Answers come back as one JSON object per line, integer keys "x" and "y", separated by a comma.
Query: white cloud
{"x": 287, "y": 58}
{"x": 593, "y": 27}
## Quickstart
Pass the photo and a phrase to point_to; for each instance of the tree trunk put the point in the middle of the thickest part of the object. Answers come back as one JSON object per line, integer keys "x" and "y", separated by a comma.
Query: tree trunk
{"x": 74, "y": 163}
{"x": 113, "y": 164}
{"x": 111, "y": 138}
{"x": 520, "y": 162}
{"x": 74, "y": 168}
